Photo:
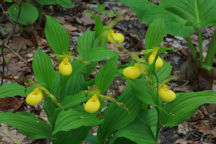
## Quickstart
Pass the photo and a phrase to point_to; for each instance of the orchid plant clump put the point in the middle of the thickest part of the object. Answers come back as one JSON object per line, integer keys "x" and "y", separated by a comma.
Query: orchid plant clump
{"x": 75, "y": 102}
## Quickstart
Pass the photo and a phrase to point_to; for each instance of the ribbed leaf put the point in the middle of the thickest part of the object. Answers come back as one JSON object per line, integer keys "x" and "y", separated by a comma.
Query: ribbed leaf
{"x": 28, "y": 13}
{"x": 74, "y": 100}
{"x": 137, "y": 131}
{"x": 11, "y": 90}
{"x": 56, "y": 35}
{"x": 98, "y": 23}
{"x": 85, "y": 43}
{"x": 163, "y": 72}
{"x": 75, "y": 82}
{"x": 149, "y": 117}
{"x": 195, "y": 12}
{"x": 106, "y": 74}
{"x": 27, "y": 123}
{"x": 72, "y": 119}
{"x": 184, "y": 106}
{"x": 75, "y": 136}
{"x": 142, "y": 91}
{"x": 98, "y": 54}
{"x": 115, "y": 117}
{"x": 155, "y": 33}
{"x": 148, "y": 12}
{"x": 43, "y": 68}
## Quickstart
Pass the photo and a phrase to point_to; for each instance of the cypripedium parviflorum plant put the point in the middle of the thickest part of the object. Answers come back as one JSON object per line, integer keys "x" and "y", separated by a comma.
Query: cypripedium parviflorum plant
{"x": 75, "y": 101}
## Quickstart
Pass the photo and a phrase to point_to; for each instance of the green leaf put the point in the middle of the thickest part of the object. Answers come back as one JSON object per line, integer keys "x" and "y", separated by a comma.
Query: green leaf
{"x": 137, "y": 131}
{"x": 100, "y": 8}
{"x": 74, "y": 100}
{"x": 72, "y": 119}
{"x": 115, "y": 117}
{"x": 8, "y": 1}
{"x": 184, "y": 106}
{"x": 28, "y": 13}
{"x": 163, "y": 72}
{"x": 98, "y": 54}
{"x": 91, "y": 139}
{"x": 46, "y": 2}
{"x": 57, "y": 86}
{"x": 98, "y": 23}
{"x": 150, "y": 118}
{"x": 75, "y": 82}
{"x": 142, "y": 91}
{"x": 43, "y": 69}
{"x": 148, "y": 12}
{"x": 155, "y": 33}
{"x": 27, "y": 123}
{"x": 180, "y": 16}
{"x": 11, "y": 90}
{"x": 75, "y": 136}
{"x": 56, "y": 36}
{"x": 195, "y": 12}
{"x": 85, "y": 43}
{"x": 65, "y": 3}
{"x": 106, "y": 74}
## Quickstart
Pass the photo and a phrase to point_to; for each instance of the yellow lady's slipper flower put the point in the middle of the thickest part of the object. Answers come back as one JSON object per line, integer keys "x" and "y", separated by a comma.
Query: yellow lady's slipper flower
{"x": 35, "y": 97}
{"x": 166, "y": 94}
{"x": 92, "y": 105}
{"x": 65, "y": 67}
{"x": 159, "y": 61}
{"x": 115, "y": 38}
{"x": 132, "y": 72}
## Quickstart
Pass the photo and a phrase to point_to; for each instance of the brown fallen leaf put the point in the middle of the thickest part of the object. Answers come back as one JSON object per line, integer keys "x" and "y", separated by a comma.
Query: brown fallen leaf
{"x": 11, "y": 104}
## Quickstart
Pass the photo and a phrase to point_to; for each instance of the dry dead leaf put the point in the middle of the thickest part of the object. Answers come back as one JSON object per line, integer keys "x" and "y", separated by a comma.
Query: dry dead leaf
{"x": 10, "y": 104}
{"x": 11, "y": 136}
{"x": 86, "y": 19}
{"x": 69, "y": 28}
{"x": 19, "y": 43}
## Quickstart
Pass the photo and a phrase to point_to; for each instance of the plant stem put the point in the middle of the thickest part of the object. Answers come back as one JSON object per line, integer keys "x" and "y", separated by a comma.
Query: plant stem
{"x": 158, "y": 111}
{"x": 200, "y": 45}
{"x": 40, "y": 14}
{"x": 192, "y": 48}
{"x": 211, "y": 51}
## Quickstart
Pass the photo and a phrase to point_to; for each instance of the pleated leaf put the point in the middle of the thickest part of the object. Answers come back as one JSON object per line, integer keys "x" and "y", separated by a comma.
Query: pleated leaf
{"x": 43, "y": 69}
{"x": 98, "y": 23}
{"x": 115, "y": 117}
{"x": 85, "y": 43}
{"x": 148, "y": 12}
{"x": 74, "y": 100}
{"x": 163, "y": 72}
{"x": 137, "y": 131}
{"x": 142, "y": 91}
{"x": 72, "y": 119}
{"x": 155, "y": 33}
{"x": 75, "y": 136}
{"x": 11, "y": 90}
{"x": 75, "y": 82}
{"x": 56, "y": 35}
{"x": 98, "y": 54}
{"x": 195, "y": 12}
{"x": 27, "y": 123}
{"x": 106, "y": 74}
{"x": 185, "y": 105}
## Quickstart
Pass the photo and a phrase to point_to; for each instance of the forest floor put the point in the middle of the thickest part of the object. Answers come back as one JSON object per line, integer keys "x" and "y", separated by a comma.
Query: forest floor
{"x": 199, "y": 129}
